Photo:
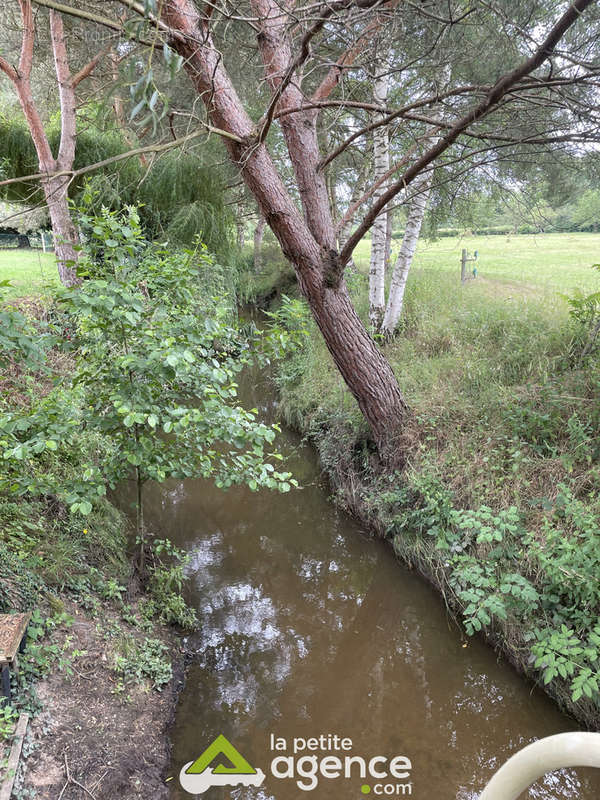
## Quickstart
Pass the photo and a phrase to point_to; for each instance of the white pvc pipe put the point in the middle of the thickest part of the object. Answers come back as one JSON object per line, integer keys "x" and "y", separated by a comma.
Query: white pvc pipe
{"x": 530, "y": 763}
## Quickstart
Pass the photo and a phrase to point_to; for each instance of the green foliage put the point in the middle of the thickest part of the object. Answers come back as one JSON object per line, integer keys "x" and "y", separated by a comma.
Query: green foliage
{"x": 560, "y": 587}
{"x": 288, "y": 326}
{"x": 158, "y": 375}
{"x": 567, "y": 556}
{"x": 137, "y": 661}
{"x": 561, "y": 653}
{"x": 585, "y": 313}
{"x": 179, "y": 197}
{"x": 8, "y": 720}
{"x": 179, "y": 200}
{"x": 19, "y": 339}
{"x": 155, "y": 378}
{"x": 164, "y": 591}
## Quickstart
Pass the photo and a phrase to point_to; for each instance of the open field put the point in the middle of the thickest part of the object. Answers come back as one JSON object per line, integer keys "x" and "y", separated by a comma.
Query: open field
{"x": 29, "y": 271}
{"x": 556, "y": 262}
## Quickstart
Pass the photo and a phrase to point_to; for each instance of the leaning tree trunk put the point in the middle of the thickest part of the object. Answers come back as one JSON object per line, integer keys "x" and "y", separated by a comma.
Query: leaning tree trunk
{"x": 363, "y": 367}
{"x": 258, "y": 239}
{"x": 381, "y": 164}
{"x": 307, "y": 241}
{"x": 416, "y": 214}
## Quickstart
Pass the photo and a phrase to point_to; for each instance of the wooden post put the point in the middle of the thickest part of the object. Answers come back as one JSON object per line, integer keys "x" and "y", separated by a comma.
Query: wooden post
{"x": 5, "y": 682}
{"x": 13, "y": 759}
{"x": 463, "y": 266}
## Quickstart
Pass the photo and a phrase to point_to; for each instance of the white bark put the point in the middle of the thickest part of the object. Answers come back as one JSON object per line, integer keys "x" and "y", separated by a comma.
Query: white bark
{"x": 389, "y": 226}
{"x": 414, "y": 222}
{"x": 241, "y": 229}
{"x": 381, "y": 164}
{"x": 357, "y": 193}
{"x": 258, "y": 238}
{"x": 416, "y": 214}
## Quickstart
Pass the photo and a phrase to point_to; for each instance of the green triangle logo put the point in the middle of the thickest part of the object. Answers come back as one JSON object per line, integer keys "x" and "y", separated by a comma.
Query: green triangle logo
{"x": 221, "y": 747}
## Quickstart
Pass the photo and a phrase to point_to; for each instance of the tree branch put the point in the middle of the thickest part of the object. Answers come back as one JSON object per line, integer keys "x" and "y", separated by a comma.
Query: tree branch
{"x": 331, "y": 80}
{"x": 493, "y": 98}
{"x": 66, "y": 94}
{"x": 9, "y": 70}
{"x": 98, "y": 19}
{"x": 151, "y": 148}
{"x": 87, "y": 70}
{"x": 28, "y": 39}
{"x": 394, "y": 115}
{"x": 346, "y": 60}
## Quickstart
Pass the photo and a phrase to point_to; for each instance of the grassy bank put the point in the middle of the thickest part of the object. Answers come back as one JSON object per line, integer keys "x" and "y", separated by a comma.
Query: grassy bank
{"x": 98, "y": 646}
{"x": 499, "y": 502}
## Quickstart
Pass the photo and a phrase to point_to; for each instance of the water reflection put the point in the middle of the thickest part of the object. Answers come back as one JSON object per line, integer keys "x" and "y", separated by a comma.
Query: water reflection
{"x": 310, "y": 627}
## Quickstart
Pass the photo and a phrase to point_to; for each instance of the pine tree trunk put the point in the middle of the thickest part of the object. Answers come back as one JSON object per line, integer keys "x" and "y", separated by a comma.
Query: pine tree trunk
{"x": 308, "y": 240}
{"x": 381, "y": 164}
{"x": 416, "y": 214}
{"x": 258, "y": 238}
{"x": 363, "y": 367}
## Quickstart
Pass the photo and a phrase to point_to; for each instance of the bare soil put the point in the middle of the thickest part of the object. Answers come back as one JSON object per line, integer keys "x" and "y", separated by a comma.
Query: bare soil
{"x": 93, "y": 743}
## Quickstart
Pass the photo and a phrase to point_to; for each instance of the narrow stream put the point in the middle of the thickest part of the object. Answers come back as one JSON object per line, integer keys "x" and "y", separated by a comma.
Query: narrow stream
{"x": 310, "y": 627}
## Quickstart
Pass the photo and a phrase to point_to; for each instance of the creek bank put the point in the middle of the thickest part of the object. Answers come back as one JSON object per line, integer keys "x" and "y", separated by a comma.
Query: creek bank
{"x": 113, "y": 739}
{"x": 353, "y": 491}
{"x": 102, "y": 670}
{"x": 496, "y": 506}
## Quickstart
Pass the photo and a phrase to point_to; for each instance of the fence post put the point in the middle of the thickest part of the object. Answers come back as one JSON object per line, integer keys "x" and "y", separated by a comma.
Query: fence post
{"x": 463, "y": 266}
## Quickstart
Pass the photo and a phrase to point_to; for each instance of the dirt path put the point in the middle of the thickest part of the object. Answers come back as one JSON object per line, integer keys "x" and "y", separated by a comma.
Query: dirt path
{"x": 93, "y": 739}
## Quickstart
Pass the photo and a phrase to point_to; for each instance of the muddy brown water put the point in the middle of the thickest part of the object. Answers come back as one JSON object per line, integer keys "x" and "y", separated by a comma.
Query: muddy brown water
{"x": 310, "y": 627}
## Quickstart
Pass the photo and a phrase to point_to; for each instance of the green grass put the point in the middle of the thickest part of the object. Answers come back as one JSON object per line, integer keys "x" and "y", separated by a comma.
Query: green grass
{"x": 498, "y": 504}
{"x": 31, "y": 272}
{"x": 554, "y": 262}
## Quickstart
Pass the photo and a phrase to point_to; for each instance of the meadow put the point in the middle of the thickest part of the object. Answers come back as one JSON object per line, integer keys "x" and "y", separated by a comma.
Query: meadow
{"x": 550, "y": 262}
{"x": 555, "y": 262}
{"x": 30, "y": 272}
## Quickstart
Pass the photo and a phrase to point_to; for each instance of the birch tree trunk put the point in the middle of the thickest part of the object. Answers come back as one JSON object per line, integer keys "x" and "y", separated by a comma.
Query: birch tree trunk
{"x": 258, "y": 238}
{"x": 416, "y": 214}
{"x": 381, "y": 164}
{"x": 389, "y": 229}
{"x": 240, "y": 226}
